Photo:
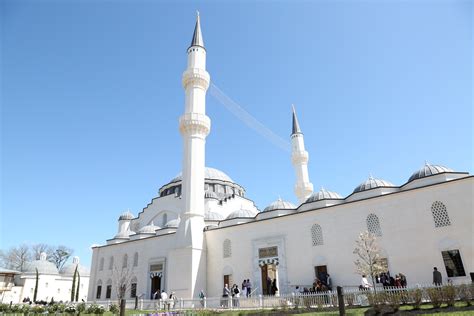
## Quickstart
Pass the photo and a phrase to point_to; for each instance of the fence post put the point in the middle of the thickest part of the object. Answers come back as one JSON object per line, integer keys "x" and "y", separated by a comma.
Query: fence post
{"x": 260, "y": 300}
{"x": 181, "y": 303}
{"x": 141, "y": 304}
{"x": 340, "y": 299}
{"x": 230, "y": 302}
{"x": 205, "y": 302}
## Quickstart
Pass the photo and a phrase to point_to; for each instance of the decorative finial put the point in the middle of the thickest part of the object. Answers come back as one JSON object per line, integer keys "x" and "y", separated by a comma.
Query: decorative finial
{"x": 370, "y": 176}
{"x": 426, "y": 163}
{"x": 197, "y": 13}
{"x": 322, "y": 188}
{"x": 152, "y": 224}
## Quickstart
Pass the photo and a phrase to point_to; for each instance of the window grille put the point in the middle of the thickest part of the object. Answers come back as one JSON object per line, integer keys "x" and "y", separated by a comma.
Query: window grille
{"x": 440, "y": 214}
{"x": 227, "y": 249}
{"x": 373, "y": 225}
{"x": 317, "y": 235}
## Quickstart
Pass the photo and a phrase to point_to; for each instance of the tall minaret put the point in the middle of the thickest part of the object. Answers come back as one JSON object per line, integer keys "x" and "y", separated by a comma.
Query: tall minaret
{"x": 188, "y": 270}
{"x": 299, "y": 159}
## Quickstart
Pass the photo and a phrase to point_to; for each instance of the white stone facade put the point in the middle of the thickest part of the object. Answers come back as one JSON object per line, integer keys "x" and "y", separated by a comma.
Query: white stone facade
{"x": 202, "y": 231}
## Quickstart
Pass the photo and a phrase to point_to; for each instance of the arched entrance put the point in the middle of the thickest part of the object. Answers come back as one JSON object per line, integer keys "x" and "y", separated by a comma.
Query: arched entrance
{"x": 155, "y": 286}
{"x": 269, "y": 275}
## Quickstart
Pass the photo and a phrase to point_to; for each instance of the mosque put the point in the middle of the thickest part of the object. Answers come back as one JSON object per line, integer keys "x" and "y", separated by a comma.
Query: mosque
{"x": 202, "y": 231}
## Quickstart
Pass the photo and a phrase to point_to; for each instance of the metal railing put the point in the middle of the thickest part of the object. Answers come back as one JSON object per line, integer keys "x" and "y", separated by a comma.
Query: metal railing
{"x": 353, "y": 296}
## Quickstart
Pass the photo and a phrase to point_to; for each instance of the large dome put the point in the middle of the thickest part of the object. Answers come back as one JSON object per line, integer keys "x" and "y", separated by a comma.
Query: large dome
{"x": 149, "y": 229}
{"x": 70, "y": 268}
{"x": 213, "y": 216}
{"x": 241, "y": 213}
{"x": 429, "y": 170}
{"x": 280, "y": 205}
{"x": 324, "y": 194}
{"x": 372, "y": 183}
{"x": 43, "y": 266}
{"x": 209, "y": 173}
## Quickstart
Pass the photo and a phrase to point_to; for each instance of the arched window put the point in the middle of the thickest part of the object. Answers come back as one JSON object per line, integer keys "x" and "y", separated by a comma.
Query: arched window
{"x": 133, "y": 287}
{"x": 125, "y": 261}
{"x": 373, "y": 225}
{"x": 440, "y": 214}
{"x": 108, "y": 289}
{"x": 101, "y": 264}
{"x": 111, "y": 263}
{"x": 227, "y": 248}
{"x": 135, "y": 259}
{"x": 317, "y": 235}
{"x": 98, "y": 293}
{"x": 165, "y": 220}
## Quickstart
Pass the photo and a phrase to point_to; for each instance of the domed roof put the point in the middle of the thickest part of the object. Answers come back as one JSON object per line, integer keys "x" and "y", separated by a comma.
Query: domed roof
{"x": 70, "y": 268}
{"x": 241, "y": 213}
{"x": 173, "y": 223}
{"x": 429, "y": 170}
{"x": 149, "y": 229}
{"x": 324, "y": 194}
{"x": 209, "y": 173}
{"x": 213, "y": 216}
{"x": 372, "y": 183}
{"x": 280, "y": 205}
{"x": 126, "y": 216}
{"x": 43, "y": 266}
{"x": 210, "y": 195}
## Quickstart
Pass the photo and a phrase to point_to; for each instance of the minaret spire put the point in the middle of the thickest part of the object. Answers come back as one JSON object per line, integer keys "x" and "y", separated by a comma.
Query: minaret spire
{"x": 299, "y": 159}
{"x": 296, "y": 125}
{"x": 197, "y": 35}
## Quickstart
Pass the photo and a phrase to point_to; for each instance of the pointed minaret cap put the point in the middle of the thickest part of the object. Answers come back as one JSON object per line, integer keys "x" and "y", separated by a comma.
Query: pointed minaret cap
{"x": 197, "y": 36}
{"x": 296, "y": 125}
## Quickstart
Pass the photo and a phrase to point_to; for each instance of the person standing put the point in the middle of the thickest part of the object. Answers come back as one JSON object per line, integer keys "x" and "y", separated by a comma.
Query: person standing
{"x": 202, "y": 297}
{"x": 164, "y": 300}
{"x": 225, "y": 296}
{"x": 437, "y": 278}
{"x": 329, "y": 282}
{"x": 236, "y": 295}
{"x": 249, "y": 288}
{"x": 274, "y": 287}
{"x": 365, "y": 285}
{"x": 269, "y": 286}
{"x": 244, "y": 288}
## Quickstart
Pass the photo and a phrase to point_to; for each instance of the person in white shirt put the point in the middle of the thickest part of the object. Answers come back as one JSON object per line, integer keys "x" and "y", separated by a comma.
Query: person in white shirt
{"x": 164, "y": 299}
{"x": 365, "y": 283}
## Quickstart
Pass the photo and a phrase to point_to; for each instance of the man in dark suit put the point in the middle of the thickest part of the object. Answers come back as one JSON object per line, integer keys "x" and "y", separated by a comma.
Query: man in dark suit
{"x": 437, "y": 278}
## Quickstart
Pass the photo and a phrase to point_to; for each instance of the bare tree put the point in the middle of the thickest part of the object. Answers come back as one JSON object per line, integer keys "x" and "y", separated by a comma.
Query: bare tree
{"x": 16, "y": 257}
{"x": 368, "y": 252}
{"x": 60, "y": 255}
{"x": 121, "y": 278}
{"x": 37, "y": 249}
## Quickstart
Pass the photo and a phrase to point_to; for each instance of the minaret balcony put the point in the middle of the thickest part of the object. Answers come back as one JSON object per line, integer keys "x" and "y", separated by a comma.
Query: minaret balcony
{"x": 194, "y": 124}
{"x": 300, "y": 157}
{"x": 196, "y": 77}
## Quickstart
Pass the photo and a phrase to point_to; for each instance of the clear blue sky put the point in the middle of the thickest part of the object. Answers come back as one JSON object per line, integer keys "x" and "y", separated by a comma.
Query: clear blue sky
{"x": 91, "y": 96}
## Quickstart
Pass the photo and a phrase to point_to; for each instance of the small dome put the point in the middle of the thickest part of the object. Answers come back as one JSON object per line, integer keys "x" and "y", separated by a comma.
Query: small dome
{"x": 126, "y": 216}
{"x": 209, "y": 173}
{"x": 213, "y": 216}
{"x": 210, "y": 195}
{"x": 280, "y": 205}
{"x": 429, "y": 170}
{"x": 372, "y": 183}
{"x": 43, "y": 266}
{"x": 241, "y": 213}
{"x": 174, "y": 223}
{"x": 149, "y": 229}
{"x": 70, "y": 268}
{"x": 324, "y": 194}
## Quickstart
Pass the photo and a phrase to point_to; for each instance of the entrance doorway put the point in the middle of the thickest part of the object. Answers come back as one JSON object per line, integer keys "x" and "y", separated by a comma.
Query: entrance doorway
{"x": 321, "y": 273}
{"x": 269, "y": 273}
{"x": 155, "y": 287}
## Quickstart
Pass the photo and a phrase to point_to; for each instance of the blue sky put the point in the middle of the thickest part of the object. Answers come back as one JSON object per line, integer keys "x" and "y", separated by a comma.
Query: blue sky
{"x": 91, "y": 95}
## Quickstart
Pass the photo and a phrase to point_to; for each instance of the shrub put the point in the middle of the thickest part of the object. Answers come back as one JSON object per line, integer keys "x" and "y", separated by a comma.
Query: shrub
{"x": 114, "y": 308}
{"x": 448, "y": 293}
{"x": 349, "y": 299}
{"x": 376, "y": 300}
{"x": 466, "y": 292}
{"x": 435, "y": 295}
{"x": 38, "y": 309}
{"x": 393, "y": 300}
{"x": 4, "y": 308}
{"x": 416, "y": 297}
{"x": 25, "y": 309}
{"x": 70, "y": 309}
{"x": 81, "y": 307}
{"x": 95, "y": 309}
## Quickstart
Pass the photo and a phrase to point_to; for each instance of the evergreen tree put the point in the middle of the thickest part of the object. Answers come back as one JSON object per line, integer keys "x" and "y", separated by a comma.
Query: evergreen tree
{"x": 78, "y": 283}
{"x": 73, "y": 289}
{"x": 35, "y": 294}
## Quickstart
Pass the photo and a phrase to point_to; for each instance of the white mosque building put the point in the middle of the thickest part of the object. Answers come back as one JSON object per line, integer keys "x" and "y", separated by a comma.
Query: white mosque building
{"x": 202, "y": 231}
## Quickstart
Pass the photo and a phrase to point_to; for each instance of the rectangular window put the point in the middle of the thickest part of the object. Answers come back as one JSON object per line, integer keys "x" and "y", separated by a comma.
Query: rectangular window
{"x": 453, "y": 263}
{"x": 156, "y": 267}
{"x": 99, "y": 292}
{"x": 108, "y": 292}
{"x": 133, "y": 290}
{"x": 228, "y": 280}
{"x": 321, "y": 273}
